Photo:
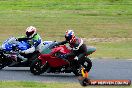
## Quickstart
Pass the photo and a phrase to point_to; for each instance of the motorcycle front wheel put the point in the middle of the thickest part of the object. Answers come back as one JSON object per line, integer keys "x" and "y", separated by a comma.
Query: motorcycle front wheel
{"x": 37, "y": 68}
{"x": 2, "y": 63}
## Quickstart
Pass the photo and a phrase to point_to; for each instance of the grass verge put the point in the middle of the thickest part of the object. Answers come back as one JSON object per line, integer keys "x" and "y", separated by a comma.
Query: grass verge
{"x": 8, "y": 84}
{"x": 115, "y": 50}
{"x": 88, "y": 18}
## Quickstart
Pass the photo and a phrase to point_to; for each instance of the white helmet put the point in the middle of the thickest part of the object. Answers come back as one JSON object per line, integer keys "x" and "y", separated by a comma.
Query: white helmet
{"x": 31, "y": 31}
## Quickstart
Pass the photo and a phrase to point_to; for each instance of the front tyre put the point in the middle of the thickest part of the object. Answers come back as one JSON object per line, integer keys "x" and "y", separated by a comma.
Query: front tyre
{"x": 37, "y": 68}
{"x": 2, "y": 65}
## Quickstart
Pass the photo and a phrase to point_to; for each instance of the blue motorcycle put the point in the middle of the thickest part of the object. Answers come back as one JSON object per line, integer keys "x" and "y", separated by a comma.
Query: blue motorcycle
{"x": 9, "y": 52}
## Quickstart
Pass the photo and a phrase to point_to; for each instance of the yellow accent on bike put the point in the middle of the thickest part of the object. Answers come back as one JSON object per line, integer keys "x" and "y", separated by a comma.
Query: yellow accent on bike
{"x": 84, "y": 74}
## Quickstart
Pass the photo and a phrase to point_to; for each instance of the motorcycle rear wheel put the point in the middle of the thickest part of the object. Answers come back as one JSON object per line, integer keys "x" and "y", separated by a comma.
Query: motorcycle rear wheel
{"x": 86, "y": 63}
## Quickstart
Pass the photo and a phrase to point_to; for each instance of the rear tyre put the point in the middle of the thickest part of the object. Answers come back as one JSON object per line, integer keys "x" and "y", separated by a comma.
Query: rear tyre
{"x": 84, "y": 81}
{"x": 37, "y": 68}
{"x": 86, "y": 63}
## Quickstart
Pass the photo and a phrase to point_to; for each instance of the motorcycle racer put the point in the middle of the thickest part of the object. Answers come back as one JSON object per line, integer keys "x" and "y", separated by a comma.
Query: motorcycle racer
{"x": 79, "y": 49}
{"x": 33, "y": 39}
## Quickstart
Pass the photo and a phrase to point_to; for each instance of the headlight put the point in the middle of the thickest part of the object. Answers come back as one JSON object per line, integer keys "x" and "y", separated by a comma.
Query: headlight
{"x": 2, "y": 47}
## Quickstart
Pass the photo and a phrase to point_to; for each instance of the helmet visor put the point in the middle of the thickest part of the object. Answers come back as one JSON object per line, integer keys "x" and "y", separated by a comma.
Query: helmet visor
{"x": 29, "y": 33}
{"x": 68, "y": 38}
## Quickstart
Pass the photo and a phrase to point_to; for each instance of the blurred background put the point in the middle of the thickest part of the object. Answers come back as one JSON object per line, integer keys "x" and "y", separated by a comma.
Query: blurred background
{"x": 105, "y": 24}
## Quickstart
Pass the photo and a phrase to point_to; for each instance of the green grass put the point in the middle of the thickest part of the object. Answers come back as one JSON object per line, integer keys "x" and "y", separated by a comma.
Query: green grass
{"x": 117, "y": 50}
{"x": 4, "y": 84}
{"x": 88, "y": 18}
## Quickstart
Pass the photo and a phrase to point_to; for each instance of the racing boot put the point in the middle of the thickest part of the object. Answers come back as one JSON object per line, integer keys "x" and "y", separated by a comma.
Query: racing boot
{"x": 23, "y": 59}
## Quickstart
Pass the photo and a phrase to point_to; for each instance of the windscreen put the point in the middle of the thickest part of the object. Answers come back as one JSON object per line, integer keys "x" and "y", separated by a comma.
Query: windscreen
{"x": 11, "y": 40}
{"x": 47, "y": 48}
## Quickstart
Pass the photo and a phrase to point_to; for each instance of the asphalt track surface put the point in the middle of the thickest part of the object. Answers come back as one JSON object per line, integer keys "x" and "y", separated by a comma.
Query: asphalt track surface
{"x": 102, "y": 69}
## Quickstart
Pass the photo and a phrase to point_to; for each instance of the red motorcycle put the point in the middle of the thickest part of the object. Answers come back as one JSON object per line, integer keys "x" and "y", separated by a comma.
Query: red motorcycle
{"x": 50, "y": 62}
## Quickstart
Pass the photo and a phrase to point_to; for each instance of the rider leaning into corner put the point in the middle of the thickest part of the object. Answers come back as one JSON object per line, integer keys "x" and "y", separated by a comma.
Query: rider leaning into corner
{"x": 33, "y": 39}
{"x": 79, "y": 49}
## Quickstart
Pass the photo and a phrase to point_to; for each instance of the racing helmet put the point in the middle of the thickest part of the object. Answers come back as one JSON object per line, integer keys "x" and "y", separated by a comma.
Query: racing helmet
{"x": 31, "y": 31}
{"x": 70, "y": 36}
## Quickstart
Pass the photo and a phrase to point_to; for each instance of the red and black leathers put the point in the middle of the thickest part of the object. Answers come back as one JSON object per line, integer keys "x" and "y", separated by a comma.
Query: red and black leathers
{"x": 79, "y": 49}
